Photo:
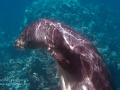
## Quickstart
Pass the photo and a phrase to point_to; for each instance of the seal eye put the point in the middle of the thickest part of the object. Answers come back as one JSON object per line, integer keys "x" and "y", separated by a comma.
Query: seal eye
{"x": 29, "y": 44}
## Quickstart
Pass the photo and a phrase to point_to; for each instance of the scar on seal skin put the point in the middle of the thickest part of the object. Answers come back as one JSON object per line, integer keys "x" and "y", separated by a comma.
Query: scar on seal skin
{"x": 79, "y": 64}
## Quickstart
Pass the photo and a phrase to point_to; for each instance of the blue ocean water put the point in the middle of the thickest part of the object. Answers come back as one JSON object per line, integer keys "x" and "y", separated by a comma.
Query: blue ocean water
{"x": 28, "y": 70}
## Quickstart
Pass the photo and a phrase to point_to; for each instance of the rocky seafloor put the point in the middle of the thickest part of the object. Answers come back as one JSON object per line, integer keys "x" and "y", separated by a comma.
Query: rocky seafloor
{"x": 35, "y": 70}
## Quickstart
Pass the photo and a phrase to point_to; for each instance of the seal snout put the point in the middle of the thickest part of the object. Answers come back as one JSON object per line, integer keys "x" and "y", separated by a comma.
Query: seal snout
{"x": 19, "y": 44}
{"x": 16, "y": 44}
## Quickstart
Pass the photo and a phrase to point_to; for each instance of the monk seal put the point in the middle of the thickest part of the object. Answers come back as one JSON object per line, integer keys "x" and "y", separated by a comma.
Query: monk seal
{"x": 79, "y": 64}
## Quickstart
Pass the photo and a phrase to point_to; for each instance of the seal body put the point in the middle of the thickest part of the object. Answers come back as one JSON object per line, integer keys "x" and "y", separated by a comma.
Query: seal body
{"x": 79, "y": 64}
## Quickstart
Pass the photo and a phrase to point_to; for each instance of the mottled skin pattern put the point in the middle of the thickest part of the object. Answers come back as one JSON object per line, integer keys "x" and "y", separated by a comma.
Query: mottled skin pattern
{"x": 79, "y": 64}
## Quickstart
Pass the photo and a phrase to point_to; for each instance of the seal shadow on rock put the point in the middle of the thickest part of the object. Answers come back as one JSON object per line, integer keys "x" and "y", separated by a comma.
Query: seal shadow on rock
{"x": 79, "y": 64}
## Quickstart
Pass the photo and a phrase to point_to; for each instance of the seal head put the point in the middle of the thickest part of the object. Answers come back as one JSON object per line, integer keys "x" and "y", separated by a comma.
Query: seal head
{"x": 29, "y": 38}
{"x": 79, "y": 64}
